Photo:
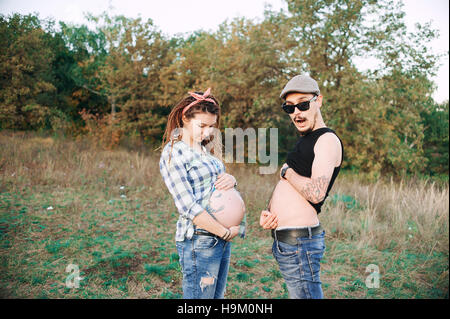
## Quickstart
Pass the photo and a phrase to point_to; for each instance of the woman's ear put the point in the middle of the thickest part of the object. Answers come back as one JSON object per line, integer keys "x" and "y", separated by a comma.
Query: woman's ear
{"x": 184, "y": 120}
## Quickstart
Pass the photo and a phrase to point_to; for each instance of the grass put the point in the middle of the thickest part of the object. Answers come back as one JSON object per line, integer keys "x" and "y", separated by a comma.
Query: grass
{"x": 108, "y": 212}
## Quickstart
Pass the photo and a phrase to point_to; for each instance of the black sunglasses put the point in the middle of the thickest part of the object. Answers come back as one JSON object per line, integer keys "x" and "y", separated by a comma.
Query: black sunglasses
{"x": 303, "y": 106}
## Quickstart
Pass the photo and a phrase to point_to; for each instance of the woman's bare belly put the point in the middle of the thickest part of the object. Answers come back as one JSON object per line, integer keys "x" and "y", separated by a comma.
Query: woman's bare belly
{"x": 227, "y": 207}
{"x": 292, "y": 209}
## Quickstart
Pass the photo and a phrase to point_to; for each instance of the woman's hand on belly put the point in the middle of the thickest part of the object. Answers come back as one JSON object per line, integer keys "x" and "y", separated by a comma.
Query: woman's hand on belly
{"x": 267, "y": 220}
{"x": 225, "y": 181}
{"x": 234, "y": 232}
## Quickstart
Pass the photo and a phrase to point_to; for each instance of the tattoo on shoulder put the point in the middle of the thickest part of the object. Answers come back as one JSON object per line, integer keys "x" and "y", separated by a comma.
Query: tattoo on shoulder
{"x": 315, "y": 190}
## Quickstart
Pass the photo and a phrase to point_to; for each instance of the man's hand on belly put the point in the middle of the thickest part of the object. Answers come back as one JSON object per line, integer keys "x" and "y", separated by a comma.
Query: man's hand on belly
{"x": 268, "y": 220}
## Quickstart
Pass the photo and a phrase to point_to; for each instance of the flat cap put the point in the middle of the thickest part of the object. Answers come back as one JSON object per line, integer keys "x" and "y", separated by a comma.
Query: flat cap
{"x": 301, "y": 84}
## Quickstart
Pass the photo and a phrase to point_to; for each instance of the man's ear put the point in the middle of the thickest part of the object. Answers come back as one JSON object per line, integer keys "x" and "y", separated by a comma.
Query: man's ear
{"x": 319, "y": 100}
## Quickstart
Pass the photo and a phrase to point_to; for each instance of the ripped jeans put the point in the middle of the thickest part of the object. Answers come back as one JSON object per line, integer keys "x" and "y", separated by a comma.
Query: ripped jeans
{"x": 204, "y": 261}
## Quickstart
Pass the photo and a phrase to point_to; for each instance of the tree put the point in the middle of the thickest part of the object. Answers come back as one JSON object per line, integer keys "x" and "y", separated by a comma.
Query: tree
{"x": 25, "y": 73}
{"x": 435, "y": 122}
{"x": 87, "y": 52}
{"x": 244, "y": 63}
{"x": 125, "y": 76}
{"x": 126, "y": 69}
{"x": 377, "y": 113}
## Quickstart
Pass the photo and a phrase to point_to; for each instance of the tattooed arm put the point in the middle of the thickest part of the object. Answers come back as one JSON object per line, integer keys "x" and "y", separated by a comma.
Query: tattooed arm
{"x": 327, "y": 156}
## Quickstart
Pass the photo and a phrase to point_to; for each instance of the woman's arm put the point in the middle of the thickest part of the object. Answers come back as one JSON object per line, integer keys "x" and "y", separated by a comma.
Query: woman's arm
{"x": 175, "y": 177}
{"x": 205, "y": 221}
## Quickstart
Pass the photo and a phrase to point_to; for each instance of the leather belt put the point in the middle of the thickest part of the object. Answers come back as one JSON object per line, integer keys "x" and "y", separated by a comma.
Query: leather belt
{"x": 204, "y": 233}
{"x": 289, "y": 236}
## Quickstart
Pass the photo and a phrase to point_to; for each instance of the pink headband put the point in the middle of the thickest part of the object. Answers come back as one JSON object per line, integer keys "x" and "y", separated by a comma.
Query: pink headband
{"x": 199, "y": 98}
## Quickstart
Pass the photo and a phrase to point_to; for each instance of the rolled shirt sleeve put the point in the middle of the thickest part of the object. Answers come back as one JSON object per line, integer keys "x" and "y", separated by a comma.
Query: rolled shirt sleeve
{"x": 176, "y": 179}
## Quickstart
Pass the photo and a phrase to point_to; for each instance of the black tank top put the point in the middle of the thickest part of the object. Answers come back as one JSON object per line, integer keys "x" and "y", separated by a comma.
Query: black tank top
{"x": 302, "y": 157}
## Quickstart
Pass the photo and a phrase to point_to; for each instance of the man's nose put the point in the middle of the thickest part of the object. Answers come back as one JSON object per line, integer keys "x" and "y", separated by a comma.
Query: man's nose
{"x": 296, "y": 111}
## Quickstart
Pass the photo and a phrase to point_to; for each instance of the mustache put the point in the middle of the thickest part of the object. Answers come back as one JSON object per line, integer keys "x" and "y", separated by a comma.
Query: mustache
{"x": 299, "y": 118}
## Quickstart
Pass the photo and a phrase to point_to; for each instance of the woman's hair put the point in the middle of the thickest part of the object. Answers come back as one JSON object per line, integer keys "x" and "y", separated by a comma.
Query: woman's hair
{"x": 175, "y": 123}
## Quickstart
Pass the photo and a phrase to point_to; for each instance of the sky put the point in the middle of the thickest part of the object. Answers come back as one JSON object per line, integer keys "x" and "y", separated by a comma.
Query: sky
{"x": 181, "y": 16}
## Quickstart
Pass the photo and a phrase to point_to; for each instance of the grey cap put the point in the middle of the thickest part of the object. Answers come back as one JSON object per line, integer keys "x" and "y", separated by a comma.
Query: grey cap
{"x": 301, "y": 84}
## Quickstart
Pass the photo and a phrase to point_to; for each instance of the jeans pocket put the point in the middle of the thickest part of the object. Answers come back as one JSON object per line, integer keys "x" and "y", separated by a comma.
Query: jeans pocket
{"x": 285, "y": 249}
{"x": 314, "y": 258}
{"x": 204, "y": 242}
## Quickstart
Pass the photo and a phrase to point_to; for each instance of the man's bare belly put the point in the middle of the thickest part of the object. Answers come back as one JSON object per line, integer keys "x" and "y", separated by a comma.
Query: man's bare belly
{"x": 292, "y": 209}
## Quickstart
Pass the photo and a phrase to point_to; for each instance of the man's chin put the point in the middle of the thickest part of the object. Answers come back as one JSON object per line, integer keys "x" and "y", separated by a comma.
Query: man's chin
{"x": 303, "y": 129}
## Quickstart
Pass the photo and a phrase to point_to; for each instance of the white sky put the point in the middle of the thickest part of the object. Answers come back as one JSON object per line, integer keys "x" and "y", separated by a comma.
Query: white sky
{"x": 180, "y": 16}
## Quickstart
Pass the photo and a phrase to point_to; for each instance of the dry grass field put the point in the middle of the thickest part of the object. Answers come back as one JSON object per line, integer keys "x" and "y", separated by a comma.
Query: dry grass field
{"x": 108, "y": 212}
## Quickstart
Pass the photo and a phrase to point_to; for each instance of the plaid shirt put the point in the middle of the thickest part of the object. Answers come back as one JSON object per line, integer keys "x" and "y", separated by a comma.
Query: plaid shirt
{"x": 190, "y": 178}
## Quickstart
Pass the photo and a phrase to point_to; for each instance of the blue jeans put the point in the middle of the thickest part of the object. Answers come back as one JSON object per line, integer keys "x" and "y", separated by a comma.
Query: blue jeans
{"x": 204, "y": 261}
{"x": 300, "y": 265}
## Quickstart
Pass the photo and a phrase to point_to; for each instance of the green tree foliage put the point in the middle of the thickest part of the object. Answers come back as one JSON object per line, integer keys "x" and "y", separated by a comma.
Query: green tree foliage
{"x": 126, "y": 74}
{"x": 131, "y": 74}
{"x": 377, "y": 113}
{"x": 25, "y": 73}
{"x": 35, "y": 84}
{"x": 435, "y": 122}
{"x": 121, "y": 61}
{"x": 87, "y": 54}
{"x": 245, "y": 65}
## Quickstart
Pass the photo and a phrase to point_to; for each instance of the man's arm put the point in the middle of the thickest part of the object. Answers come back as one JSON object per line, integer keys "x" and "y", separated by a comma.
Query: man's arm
{"x": 327, "y": 156}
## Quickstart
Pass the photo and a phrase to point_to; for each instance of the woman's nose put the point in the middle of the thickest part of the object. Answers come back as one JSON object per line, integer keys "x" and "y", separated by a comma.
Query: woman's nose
{"x": 207, "y": 131}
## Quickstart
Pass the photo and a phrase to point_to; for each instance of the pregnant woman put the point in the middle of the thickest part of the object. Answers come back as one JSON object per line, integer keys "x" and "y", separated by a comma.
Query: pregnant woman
{"x": 211, "y": 209}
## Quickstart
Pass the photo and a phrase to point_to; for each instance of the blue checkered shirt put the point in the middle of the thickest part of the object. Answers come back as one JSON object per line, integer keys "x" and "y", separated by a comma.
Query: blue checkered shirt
{"x": 190, "y": 178}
